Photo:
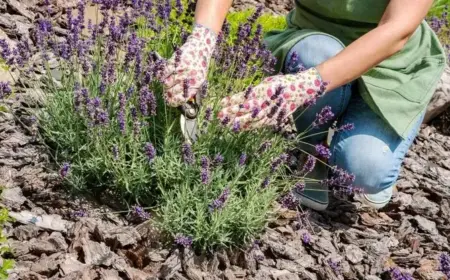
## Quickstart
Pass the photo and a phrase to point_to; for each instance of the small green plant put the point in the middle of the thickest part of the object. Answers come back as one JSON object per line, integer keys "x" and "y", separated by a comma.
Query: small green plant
{"x": 6, "y": 264}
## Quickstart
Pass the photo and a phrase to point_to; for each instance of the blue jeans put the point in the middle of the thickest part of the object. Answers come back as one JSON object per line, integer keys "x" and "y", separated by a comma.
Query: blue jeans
{"x": 372, "y": 151}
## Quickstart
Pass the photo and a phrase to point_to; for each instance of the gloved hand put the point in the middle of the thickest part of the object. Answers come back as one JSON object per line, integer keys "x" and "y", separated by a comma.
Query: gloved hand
{"x": 187, "y": 69}
{"x": 272, "y": 101}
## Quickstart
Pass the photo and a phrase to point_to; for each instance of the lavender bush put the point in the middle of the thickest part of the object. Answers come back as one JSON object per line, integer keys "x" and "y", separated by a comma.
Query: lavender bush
{"x": 107, "y": 124}
{"x": 439, "y": 22}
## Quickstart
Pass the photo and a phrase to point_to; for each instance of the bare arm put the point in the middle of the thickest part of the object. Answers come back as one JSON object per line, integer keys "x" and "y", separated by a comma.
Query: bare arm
{"x": 212, "y": 13}
{"x": 400, "y": 20}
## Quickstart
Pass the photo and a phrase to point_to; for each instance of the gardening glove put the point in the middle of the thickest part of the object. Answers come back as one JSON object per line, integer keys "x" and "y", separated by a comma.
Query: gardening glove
{"x": 272, "y": 101}
{"x": 187, "y": 70}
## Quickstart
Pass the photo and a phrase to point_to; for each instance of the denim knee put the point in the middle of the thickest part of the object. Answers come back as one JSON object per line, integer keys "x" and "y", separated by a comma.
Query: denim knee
{"x": 312, "y": 51}
{"x": 371, "y": 161}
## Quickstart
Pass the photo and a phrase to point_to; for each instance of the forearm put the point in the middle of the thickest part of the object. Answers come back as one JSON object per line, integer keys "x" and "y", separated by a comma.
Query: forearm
{"x": 399, "y": 22}
{"x": 212, "y": 13}
{"x": 361, "y": 56}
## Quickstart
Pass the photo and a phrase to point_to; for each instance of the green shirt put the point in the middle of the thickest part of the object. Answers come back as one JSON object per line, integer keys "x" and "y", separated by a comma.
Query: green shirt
{"x": 399, "y": 88}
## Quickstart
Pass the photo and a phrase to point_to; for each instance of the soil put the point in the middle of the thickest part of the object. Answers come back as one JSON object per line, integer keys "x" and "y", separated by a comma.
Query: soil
{"x": 52, "y": 239}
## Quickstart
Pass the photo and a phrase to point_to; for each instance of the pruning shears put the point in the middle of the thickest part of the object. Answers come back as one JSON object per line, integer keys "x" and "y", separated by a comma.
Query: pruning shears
{"x": 189, "y": 113}
{"x": 188, "y": 118}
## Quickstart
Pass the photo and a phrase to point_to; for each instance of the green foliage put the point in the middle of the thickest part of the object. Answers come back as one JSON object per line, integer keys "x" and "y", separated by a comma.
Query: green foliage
{"x": 268, "y": 21}
{"x": 7, "y": 264}
{"x": 107, "y": 159}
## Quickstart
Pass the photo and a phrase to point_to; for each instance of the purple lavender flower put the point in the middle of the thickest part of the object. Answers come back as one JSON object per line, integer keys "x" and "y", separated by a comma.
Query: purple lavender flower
{"x": 143, "y": 101}
{"x": 347, "y": 190}
{"x": 264, "y": 147}
{"x": 444, "y": 264}
{"x": 256, "y": 14}
{"x": 5, "y": 90}
{"x": 151, "y": 103}
{"x": 219, "y": 203}
{"x": 164, "y": 10}
{"x": 121, "y": 114}
{"x": 236, "y": 127}
{"x": 79, "y": 213}
{"x": 310, "y": 102}
{"x": 323, "y": 117}
{"x": 265, "y": 183}
{"x": 247, "y": 92}
{"x": 397, "y": 274}
{"x": 204, "y": 173}
{"x": 204, "y": 90}
{"x": 183, "y": 241}
{"x": 225, "y": 121}
{"x": 345, "y": 127}
{"x": 101, "y": 117}
{"x": 289, "y": 201}
{"x": 340, "y": 177}
{"x": 208, "y": 114}
{"x": 188, "y": 155}
{"x": 299, "y": 187}
{"x": 277, "y": 162}
{"x": 129, "y": 93}
{"x": 306, "y": 238}
{"x": 309, "y": 165}
{"x": 179, "y": 8}
{"x": 6, "y": 52}
{"x": 102, "y": 88}
{"x": 242, "y": 159}
{"x": 140, "y": 212}
{"x": 281, "y": 118}
{"x": 323, "y": 151}
{"x": 150, "y": 151}
{"x": 218, "y": 159}
{"x": 335, "y": 266}
{"x": 45, "y": 26}
{"x": 64, "y": 171}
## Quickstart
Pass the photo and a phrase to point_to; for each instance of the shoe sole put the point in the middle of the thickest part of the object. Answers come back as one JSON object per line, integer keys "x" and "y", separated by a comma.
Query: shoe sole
{"x": 310, "y": 202}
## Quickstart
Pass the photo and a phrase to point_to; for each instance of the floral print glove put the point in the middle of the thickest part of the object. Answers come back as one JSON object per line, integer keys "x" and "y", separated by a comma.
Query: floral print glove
{"x": 272, "y": 101}
{"x": 187, "y": 70}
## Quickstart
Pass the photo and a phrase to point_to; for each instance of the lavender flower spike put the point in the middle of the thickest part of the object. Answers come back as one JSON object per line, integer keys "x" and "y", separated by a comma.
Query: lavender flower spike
{"x": 150, "y": 151}
{"x": 397, "y": 274}
{"x": 5, "y": 89}
{"x": 140, "y": 212}
{"x": 188, "y": 155}
{"x": 309, "y": 165}
{"x": 323, "y": 151}
{"x": 64, "y": 171}
{"x": 184, "y": 241}
{"x": 242, "y": 159}
{"x": 204, "y": 173}
{"x": 219, "y": 203}
{"x": 323, "y": 117}
{"x": 444, "y": 264}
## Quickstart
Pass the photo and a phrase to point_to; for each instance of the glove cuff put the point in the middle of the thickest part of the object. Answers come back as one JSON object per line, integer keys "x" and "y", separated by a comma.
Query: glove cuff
{"x": 205, "y": 37}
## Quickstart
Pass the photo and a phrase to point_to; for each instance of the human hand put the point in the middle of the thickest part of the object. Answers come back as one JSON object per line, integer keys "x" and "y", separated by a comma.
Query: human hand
{"x": 187, "y": 70}
{"x": 272, "y": 101}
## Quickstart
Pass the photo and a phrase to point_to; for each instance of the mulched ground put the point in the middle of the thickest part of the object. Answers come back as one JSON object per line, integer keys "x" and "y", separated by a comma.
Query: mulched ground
{"x": 50, "y": 240}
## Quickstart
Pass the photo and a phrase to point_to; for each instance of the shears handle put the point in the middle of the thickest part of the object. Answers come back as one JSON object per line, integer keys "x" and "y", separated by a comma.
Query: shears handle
{"x": 190, "y": 110}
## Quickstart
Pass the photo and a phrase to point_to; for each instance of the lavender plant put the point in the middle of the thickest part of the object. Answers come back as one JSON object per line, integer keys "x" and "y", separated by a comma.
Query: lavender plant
{"x": 107, "y": 123}
{"x": 440, "y": 24}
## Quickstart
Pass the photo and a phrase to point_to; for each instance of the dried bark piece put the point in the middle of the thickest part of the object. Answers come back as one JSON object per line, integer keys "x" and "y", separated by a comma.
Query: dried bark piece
{"x": 426, "y": 225}
{"x": 20, "y": 8}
